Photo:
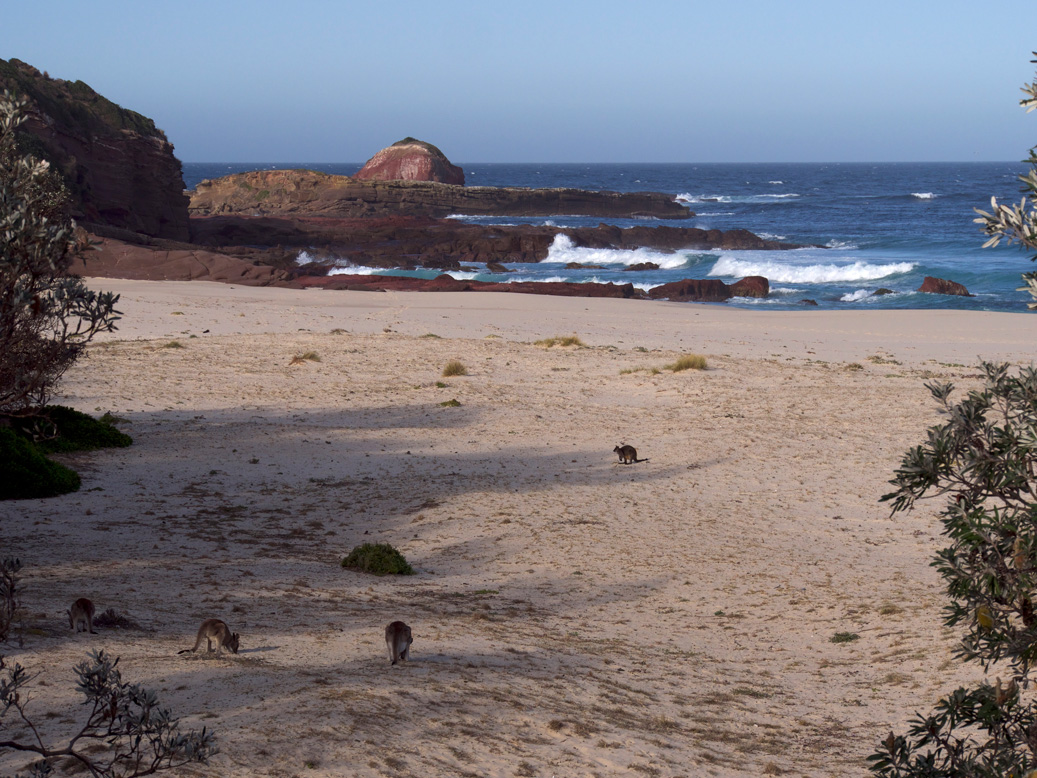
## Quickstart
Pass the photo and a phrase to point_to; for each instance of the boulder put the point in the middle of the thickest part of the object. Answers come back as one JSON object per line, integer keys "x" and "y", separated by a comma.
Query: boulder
{"x": 751, "y": 286}
{"x": 118, "y": 167}
{"x": 943, "y": 286}
{"x": 641, "y": 266}
{"x": 411, "y": 160}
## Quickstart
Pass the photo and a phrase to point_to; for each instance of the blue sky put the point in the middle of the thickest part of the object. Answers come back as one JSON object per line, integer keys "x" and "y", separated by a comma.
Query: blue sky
{"x": 680, "y": 81}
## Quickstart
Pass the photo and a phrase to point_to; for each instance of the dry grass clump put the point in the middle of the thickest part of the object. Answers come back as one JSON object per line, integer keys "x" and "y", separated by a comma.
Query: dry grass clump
{"x": 688, "y": 362}
{"x": 309, "y": 356}
{"x": 561, "y": 340}
{"x": 173, "y": 344}
{"x": 454, "y": 367}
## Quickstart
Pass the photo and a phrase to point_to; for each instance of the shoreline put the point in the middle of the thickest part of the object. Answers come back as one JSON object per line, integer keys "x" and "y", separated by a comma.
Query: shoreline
{"x": 915, "y": 335}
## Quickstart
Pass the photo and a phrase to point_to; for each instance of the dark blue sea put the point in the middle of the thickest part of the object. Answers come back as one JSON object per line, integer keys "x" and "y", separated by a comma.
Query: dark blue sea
{"x": 881, "y": 226}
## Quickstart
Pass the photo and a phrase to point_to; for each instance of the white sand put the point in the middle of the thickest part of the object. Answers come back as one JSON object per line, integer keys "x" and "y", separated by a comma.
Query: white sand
{"x": 571, "y": 615}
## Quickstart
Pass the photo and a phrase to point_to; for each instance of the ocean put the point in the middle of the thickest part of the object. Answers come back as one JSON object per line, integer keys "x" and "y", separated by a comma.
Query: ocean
{"x": 875, "y": 226}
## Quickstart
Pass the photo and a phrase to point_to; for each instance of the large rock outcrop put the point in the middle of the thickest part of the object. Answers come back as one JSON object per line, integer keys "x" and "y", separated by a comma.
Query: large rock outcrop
{"x": 932, "y": 285}
{"x": 405, "y": 242}
{"x": 309, "y": 193}
{"x": 119, "y": 168}
{"x": 411, "y": 160}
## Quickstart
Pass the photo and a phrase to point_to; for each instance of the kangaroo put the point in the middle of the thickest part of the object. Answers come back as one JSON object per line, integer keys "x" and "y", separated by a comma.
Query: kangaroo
{"x": 398, "y": 639}
{"x": 214, "y": 631}
{"x": 81, "y": 614}
{"x": 627, "y": 455}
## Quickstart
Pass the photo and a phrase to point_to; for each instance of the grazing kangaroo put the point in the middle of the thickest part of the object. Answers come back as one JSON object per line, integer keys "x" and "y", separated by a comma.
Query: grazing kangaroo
{"x": 214, "y": 631}
{"x": 81, "y": 614}
{"x": 627, "y": 455}
{"x": 398, "y": 639}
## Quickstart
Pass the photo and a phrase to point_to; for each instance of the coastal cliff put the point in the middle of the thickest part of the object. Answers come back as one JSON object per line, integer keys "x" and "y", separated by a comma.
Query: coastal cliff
{"x": 119, "y": 168}
{"x": 307, "y": 192}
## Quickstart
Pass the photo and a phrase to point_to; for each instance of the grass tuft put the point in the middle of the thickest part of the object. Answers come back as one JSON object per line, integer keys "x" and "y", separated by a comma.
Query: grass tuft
{"x": 454, "y": 367}
{"x": 845, "y": 637}
{"x": 561, "y": 340}
{"x": 688, "y": 362}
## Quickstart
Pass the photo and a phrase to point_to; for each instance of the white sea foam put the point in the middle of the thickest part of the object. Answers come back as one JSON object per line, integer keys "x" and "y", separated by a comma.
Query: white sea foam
{"x": 780, "y": 272}
{"x": 524, "y": 279}
{"x": 687, "y": 197}
{"x": 860, "y": 294}
{"x": 775, "y": 182}
{"x": 841, "y": 244}
{"x": 924, "y": 195}
{"x": 564, "y": 251}
{"x": 354, "y": 270}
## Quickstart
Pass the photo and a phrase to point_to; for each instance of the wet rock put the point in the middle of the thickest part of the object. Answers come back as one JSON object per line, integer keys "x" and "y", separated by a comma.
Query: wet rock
{"x": 751, "y": 286}
{"x": 943, "y": 286}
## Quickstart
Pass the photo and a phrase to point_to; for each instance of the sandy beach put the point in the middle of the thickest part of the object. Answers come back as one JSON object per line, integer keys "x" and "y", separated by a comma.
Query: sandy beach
{"x": 572, "y": 616}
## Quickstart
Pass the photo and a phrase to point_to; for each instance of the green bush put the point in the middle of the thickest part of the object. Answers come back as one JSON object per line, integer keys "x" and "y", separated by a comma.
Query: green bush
{"x": 26, "y": 473}
{"x": 982, "y": 462}
{"x": 78, "y": 432}
{"x": 377, "y": 559}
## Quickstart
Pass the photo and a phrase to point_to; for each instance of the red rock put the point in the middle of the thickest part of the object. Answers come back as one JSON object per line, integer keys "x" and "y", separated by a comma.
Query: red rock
{"x": 708, "y": 290}
{"x": 943, "y": 286}
{"x": 751, "y": 286}
{"x": 411, "y": 160}
{"x": 116, "y": 259}
{"x": 121, "y": 167}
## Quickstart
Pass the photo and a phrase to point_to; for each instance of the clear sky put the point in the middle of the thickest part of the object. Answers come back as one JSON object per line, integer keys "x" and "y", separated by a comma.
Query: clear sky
{"x": 557, "y": 81}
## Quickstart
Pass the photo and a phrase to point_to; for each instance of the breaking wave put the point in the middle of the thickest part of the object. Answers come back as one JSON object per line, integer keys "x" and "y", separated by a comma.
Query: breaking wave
{"x": 779, "y": 272}
{"x": 686, "y": 197}
{"x": 564, "y": 251}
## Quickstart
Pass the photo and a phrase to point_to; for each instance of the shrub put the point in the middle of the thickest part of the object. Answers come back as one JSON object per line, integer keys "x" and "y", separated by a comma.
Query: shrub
{"x": 47, "y": 315}
{"x": 59, "y": 428}
{"x": 454, "y": 367}
{"x": 983, "y": 462}
{"x": 1018, "y": 223}
{"x": 688, "y": 362}
{"x": 9, "y": 590}
{"x": 377, "y": 559}
{"x": 126, "y": 733}
{"x": 26, "y": 473}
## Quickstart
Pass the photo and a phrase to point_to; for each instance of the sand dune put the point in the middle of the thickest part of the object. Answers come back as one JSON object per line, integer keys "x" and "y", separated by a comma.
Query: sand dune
{"x": 571, "y": 615}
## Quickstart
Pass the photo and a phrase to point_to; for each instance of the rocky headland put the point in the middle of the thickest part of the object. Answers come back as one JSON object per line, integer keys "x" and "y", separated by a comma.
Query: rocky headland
{"x": 310, "y": 193}
{"x": 118, "y": 168}
{"x": 126, "y": 188}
